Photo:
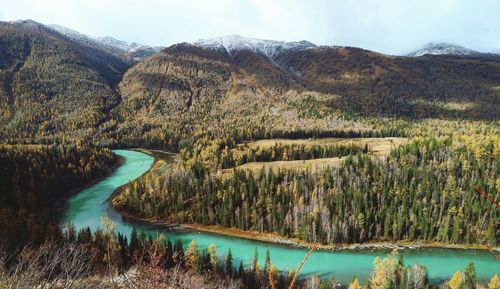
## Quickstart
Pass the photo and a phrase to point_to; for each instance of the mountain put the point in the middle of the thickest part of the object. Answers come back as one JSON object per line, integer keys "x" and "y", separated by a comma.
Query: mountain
{"x": 50, "y": 84}
{"x": 240, "y": 88}
{"x": 53, "y": 84}
{"x": 235, "y": 43}
{"x": 130, "y": 51}
{"x": 443, "y": 49}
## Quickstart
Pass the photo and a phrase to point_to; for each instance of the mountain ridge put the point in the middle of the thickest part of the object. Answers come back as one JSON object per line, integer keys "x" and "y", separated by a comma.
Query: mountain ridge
{"x": 443, "y": 48}
{"x": 256, "y": 89}
{"x": 269, "y": 48}
{"x": 131, "y": 51}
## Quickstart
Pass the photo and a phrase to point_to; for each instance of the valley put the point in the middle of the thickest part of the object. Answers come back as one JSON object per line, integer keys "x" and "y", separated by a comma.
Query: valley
{"x": 82, "y": 213}
{"x": 221, "y": 162}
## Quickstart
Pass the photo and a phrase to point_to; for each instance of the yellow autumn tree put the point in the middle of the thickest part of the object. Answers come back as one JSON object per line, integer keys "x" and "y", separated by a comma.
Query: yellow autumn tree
{"x": 494, "y": 282}
{"x": 354, "y": 284}
{"x": 456, "y": 281}
{"x": 384, "y": 272}
{"x": 212, "y": 251}
{"x": 192, "y": 254}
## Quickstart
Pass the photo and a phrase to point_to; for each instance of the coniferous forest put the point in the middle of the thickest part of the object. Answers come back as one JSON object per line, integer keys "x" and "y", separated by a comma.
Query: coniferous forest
{"x": 35, "y": 181}
{"x": 424, "y": 190}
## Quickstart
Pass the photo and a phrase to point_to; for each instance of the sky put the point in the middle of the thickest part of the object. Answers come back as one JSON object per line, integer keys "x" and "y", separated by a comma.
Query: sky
{"x": 388, "y": 26}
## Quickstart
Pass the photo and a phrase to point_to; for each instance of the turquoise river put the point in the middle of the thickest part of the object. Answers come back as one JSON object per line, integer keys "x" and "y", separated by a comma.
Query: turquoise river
{"x": 87, "y": 207}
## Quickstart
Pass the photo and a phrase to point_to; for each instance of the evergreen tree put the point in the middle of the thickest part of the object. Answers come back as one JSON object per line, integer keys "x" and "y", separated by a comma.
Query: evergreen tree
{"x": 470, "y": 276}
{"x": 229, "y": 263}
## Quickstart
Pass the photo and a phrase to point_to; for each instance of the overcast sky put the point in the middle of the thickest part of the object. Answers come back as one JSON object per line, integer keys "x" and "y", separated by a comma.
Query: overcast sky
{"x": 390, "y": 26}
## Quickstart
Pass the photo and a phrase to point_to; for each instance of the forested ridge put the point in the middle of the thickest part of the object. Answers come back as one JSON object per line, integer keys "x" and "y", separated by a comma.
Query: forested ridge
{"x": 35, "y": 179}
{"x": 422, "y": 191}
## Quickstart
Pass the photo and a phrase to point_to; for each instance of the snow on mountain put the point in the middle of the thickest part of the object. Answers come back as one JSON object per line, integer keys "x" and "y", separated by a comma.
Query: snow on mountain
{"x": 443, "y": 49}
{"x": 137, "y": 51}
{"x": 269, "y": 48}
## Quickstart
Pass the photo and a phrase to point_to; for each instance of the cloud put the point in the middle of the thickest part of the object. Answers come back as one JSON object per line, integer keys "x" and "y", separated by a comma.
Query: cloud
{"x": 390, "y": 26}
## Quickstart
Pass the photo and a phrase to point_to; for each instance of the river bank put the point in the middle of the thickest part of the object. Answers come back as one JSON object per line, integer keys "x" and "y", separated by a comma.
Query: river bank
{"x": 63, "y": 205}
{"x": 273, "y": 238}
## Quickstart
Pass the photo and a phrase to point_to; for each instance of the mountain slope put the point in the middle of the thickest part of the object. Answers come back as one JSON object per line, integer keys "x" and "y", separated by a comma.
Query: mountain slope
{"x": 191, "y": 90}
{"x": 376, "y": 84}
{"x": 50, "y": 84}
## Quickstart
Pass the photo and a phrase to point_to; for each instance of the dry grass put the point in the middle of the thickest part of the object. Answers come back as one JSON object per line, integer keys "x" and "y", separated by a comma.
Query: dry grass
{"x": 377, "y": 146}
{"x": 316, "y": 164}
{"x": 26, "y": 147}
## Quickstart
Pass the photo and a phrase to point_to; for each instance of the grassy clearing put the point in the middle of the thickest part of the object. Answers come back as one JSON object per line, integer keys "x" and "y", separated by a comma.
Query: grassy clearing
{"x": 315, "y": 164}
{"x": 25, "y": 147}
{"x": 377, "y": 146}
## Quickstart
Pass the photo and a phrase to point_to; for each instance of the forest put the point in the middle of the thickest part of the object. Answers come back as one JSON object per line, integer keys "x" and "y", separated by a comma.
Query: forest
{"x": 424, "y": 190}
{"x": 35, "y": 182}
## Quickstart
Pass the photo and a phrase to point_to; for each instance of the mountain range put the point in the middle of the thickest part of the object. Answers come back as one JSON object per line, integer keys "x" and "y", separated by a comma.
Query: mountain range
{"x": 55, "y": 81}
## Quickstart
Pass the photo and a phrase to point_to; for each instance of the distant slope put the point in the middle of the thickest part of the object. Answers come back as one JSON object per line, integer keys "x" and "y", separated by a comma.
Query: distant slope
{"x": 50, "y": 84}
{"x": 377, "y": 84}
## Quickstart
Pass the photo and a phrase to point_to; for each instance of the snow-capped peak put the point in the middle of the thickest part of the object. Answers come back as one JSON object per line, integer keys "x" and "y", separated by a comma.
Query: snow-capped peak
{"x": 269, "y": 48}
{"x": 443, "y": 49}
{"x": 138, "y": 51}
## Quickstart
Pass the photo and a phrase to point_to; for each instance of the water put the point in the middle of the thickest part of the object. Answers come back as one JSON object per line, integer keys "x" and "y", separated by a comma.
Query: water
{"x": 87, "y": 207}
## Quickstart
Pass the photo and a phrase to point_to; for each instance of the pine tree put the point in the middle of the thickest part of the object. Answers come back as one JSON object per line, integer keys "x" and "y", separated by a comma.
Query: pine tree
{"x": 268, "y": 261}
{"x": 229, "y": 263}
{"x": 241, "y": 270}
{"x": 255, "y": 259}
{"x": 134, "y": 242}
{"x": 470, "y": 276}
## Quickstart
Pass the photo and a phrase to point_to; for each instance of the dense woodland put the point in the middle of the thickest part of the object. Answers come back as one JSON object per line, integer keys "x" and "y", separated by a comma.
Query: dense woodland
{"x": 422, "y": 191}
{"x": 35, "y": 180}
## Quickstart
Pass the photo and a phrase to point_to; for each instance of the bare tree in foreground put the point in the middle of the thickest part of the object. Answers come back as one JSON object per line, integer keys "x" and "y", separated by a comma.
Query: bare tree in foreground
{"x": 294, "y": 278}
{"x": 47, "y": 266}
